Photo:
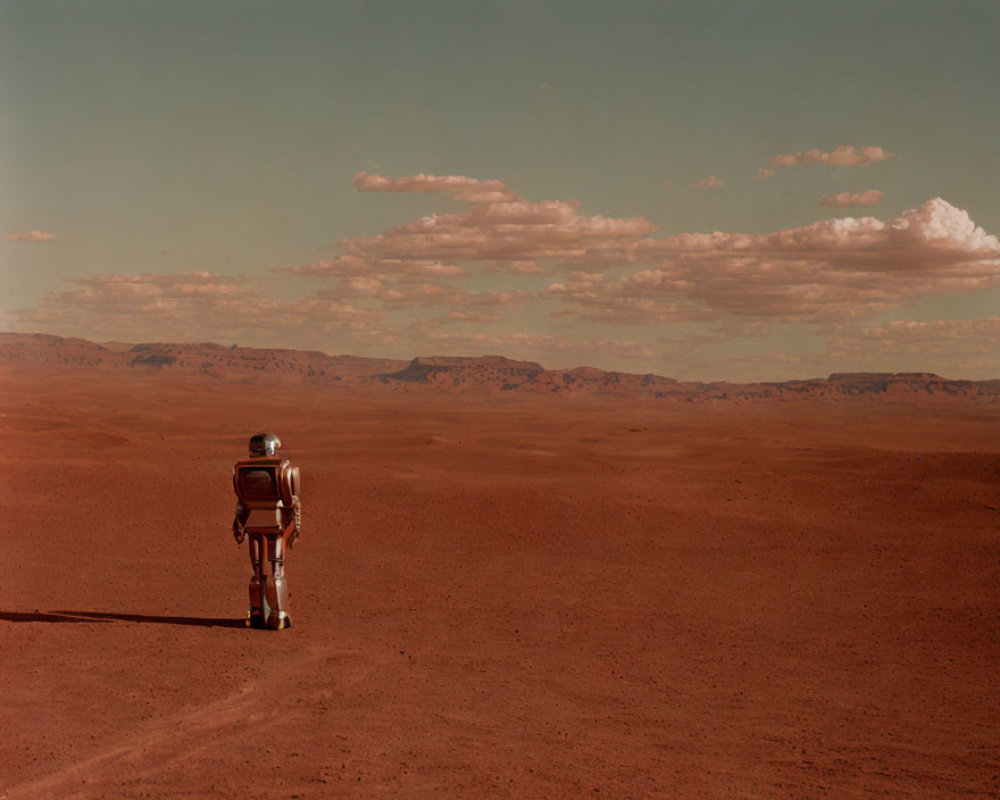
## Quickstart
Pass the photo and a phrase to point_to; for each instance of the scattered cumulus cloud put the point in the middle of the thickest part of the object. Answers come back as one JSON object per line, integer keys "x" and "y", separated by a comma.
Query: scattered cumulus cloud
{"x": 357, "y": 264}
{"x": 763, "y": 173}
{"x": 943, "y": 336}
{"x": 844, "y": 199}
{"x": 469, "y": 189}
{"x": 831, "y": 270}
{"x": 618, "y": 273}
{"x": 498, "y": 228}
{"x": 711, "y": 182}
{"x": 29, "y": 236}
{"x": 517, "y": 268}
{"x": 451, "y": 282}
{"x": 945, "y": 346}
{"x": 420, "y": 295}
{"x": 843, "y": 156}
{"x": 644, "y": 298}
{"x": 190, "y": 306}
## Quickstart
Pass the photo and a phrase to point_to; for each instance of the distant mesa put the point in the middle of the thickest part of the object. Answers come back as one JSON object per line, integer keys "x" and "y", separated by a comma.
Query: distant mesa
{"x": 455, "y": 374}
{"x": 883, "y": 376}
{"x": 477, "y": 372}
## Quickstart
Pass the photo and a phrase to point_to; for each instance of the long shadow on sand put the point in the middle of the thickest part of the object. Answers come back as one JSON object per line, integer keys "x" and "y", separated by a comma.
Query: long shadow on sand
{"x": 100, "y": 616}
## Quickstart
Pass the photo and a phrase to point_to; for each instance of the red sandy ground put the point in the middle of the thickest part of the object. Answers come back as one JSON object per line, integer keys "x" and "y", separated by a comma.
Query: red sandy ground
{"x": 532, "y": 598}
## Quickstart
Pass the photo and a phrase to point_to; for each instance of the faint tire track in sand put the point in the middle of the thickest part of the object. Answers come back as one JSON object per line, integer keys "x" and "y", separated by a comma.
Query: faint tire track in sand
{"x": 142, "y": 765}
{"x": 169, "y": 741}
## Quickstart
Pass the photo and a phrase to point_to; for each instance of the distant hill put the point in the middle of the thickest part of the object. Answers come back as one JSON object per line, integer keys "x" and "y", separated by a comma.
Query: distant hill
{"x": 482, "y": 374}
{"x": 212, "y": 360}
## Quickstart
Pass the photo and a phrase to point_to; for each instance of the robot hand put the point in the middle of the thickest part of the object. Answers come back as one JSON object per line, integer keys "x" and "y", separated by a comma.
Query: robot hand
{"x": 239, "y": 518}
{"x": 297, "y": 508}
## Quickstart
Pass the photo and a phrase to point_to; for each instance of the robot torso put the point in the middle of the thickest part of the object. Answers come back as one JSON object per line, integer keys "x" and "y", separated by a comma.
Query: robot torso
{"x": 266, "y": 486}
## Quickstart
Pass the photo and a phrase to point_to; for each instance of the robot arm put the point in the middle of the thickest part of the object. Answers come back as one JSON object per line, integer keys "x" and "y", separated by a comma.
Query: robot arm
{"x": 239, "y": 520}
{"x": 296, "y": 506}
{"x": 297, "y": 511}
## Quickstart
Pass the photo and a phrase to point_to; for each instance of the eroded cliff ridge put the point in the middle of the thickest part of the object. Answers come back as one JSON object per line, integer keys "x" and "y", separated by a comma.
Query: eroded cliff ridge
{"x": 481, "y": 374}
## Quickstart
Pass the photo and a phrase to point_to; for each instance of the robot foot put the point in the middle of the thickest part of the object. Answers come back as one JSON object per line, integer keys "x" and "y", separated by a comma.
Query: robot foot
{"x": 256, "y": 619}
{"x": 279, "y": 621}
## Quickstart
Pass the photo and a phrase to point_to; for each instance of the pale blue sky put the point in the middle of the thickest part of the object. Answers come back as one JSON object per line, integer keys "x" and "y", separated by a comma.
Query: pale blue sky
{"x": 223, "y": 137}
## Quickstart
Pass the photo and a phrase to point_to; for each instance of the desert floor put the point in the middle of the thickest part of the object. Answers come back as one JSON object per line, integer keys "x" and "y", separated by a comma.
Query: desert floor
{"x": 498, "y": 597}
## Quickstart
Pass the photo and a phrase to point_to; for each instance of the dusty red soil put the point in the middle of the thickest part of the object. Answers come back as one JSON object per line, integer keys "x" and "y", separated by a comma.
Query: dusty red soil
{"x": 531, "y": 598}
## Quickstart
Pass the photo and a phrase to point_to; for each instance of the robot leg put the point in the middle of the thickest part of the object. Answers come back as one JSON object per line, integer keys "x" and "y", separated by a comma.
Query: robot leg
{"x": 277, "y": 589}
{"x": 257, "y": 613}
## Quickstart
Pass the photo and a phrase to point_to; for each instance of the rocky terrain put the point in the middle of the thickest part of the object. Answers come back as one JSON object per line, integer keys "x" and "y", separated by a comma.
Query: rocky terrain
{"x": 483, "y": 374}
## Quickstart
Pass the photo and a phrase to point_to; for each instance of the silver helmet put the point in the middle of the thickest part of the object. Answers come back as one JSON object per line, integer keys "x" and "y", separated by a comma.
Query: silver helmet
{"x": 264, "y": 444}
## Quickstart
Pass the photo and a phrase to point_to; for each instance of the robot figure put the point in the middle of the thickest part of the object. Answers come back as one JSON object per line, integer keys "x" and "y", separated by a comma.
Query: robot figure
{"x": 268, "y": 509}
